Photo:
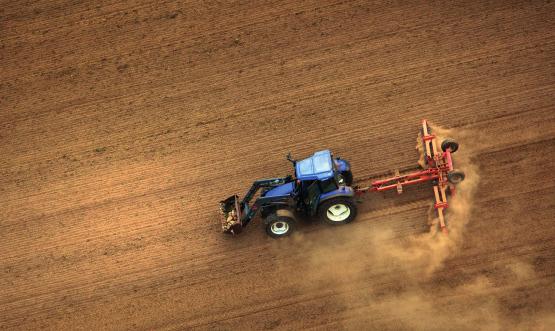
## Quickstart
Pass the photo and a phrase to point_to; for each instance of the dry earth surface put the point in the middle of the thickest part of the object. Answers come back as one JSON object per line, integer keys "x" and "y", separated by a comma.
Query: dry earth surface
{"x": 124, "y": 123}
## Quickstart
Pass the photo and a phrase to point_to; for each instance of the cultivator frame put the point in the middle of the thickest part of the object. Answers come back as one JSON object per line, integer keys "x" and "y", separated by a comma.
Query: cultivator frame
{"x": 438, "y": 168}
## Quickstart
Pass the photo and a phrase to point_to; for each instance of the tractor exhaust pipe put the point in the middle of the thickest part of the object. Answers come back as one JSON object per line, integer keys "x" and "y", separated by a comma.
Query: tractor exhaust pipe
{"x": 230, "y": 211}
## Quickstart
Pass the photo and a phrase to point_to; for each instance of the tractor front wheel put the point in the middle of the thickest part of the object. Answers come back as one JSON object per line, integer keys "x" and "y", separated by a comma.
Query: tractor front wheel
{"x": 340, "y": 210}
{"x": 279, "y": 226}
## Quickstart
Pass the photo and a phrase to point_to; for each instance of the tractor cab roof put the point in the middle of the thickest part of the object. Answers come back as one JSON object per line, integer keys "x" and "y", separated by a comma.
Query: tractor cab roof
{"x": 317, "y": 167}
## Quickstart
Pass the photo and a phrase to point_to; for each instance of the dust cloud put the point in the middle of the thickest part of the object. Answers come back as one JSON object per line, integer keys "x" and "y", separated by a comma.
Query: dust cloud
{"x": 387, "y": 281}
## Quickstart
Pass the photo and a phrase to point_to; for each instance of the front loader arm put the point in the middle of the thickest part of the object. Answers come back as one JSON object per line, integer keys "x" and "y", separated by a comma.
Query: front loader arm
{"x": 264, "y": 183}
{"x": 249, "y": 211}
{"x": 237, "y": 215}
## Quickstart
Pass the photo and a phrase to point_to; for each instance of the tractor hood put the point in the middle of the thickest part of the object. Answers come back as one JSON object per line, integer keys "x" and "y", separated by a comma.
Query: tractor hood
{"x": 282, "y": 190}
{"x": 317, "y": 167}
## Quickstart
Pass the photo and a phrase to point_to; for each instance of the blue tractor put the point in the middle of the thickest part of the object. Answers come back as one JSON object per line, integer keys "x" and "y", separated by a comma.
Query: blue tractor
{"x": 320, "y": 187}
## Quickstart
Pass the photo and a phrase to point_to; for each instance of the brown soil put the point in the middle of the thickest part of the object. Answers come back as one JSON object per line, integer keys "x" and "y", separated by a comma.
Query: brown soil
{"x": 124, "y": 123}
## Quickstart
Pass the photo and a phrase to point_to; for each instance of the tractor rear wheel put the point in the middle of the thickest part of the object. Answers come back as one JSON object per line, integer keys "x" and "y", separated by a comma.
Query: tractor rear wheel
{"x": 279, "y": 226}
{"x": 455, "y": 176}
{"x": 452, "y": 144}
{"x": 340, "y": 210}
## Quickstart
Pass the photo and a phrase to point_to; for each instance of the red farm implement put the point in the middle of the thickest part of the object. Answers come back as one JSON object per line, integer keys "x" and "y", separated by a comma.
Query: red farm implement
{"x": 438, "y": 168}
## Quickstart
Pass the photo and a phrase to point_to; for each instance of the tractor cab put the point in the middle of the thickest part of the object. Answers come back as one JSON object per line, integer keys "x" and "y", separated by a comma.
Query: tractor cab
{"x": 320, "y": 177}
{"x": 318, "y": 168}
{"x": 322, "y": 167}
{"x": 317, "y": 178}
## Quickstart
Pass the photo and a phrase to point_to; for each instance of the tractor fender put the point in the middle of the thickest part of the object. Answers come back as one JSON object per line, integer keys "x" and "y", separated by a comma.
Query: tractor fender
{"x": 281, "y": 212}
{"x": 343, "y": 191}
{"x": 285, "y": 212}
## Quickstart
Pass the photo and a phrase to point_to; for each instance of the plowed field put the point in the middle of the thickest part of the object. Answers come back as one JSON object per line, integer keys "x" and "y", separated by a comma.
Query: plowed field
{"x": 122, "y": 124}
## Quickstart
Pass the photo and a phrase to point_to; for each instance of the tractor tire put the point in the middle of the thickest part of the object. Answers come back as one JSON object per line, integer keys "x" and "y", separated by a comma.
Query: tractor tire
{"x": 452, "y": 144}
{"x": 279, "y": 226}
{"x": 455, "y": 176}
{"x": 335, "y": 211}
{"x": 347, "y": 177}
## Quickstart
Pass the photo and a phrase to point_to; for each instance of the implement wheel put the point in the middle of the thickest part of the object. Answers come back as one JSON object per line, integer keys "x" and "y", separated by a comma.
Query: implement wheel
{"x": 340, "y": 210}
{"x": 279, "y": 226}
{"x": 455, "y": 176}
{"x": 452, "y": 144}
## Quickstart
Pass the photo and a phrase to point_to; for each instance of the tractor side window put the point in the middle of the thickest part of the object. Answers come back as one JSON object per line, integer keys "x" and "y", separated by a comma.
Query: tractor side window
{"x": 328, "y": 185}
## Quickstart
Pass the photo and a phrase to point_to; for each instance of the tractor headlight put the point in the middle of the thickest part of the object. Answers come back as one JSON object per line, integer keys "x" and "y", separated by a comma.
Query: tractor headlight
{"x": 340, "y": 180}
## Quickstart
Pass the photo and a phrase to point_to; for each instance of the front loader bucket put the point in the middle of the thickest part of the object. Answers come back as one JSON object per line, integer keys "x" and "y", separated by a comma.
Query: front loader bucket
{"x": 231, "y": 215}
